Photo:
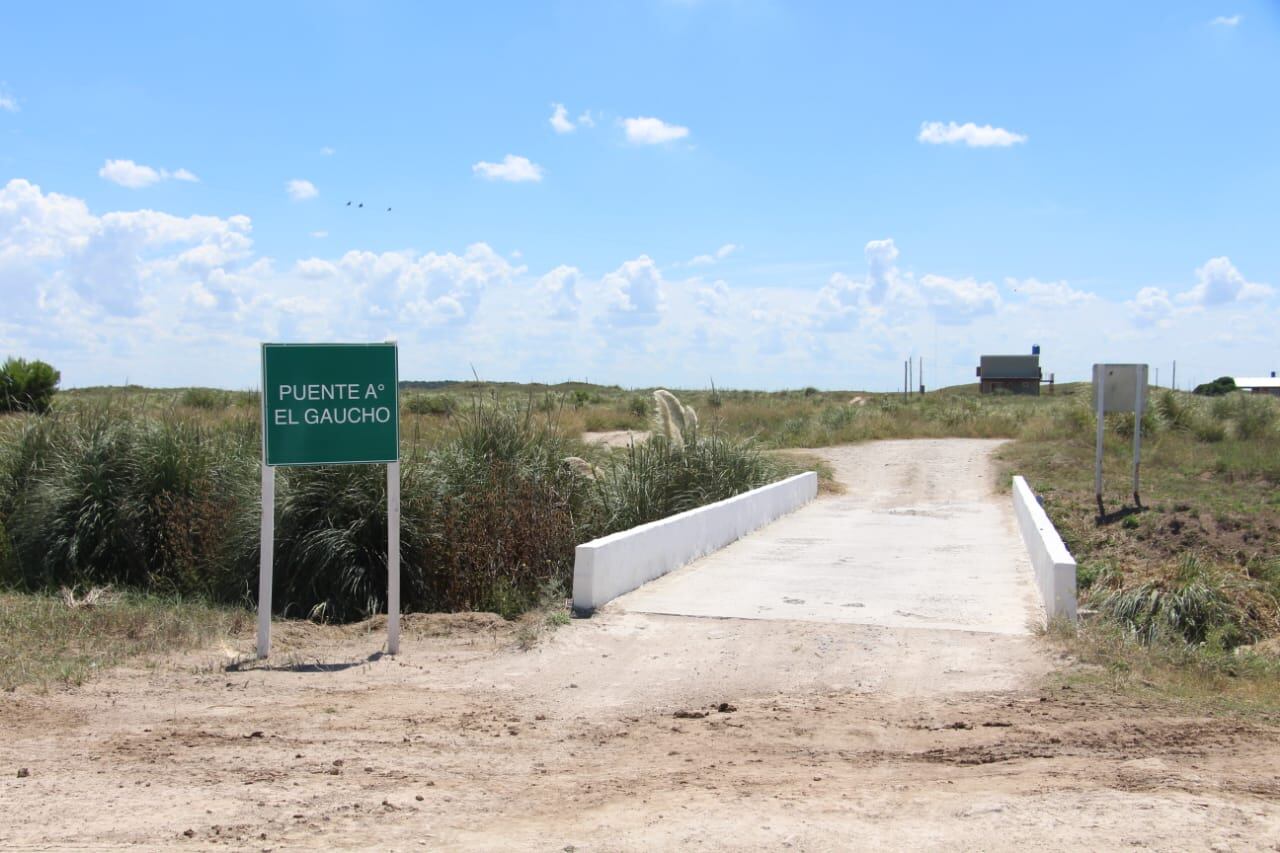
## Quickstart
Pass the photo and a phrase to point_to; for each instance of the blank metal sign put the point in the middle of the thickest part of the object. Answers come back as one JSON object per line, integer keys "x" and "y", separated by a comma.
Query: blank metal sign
{"x": 1121, "y": 385}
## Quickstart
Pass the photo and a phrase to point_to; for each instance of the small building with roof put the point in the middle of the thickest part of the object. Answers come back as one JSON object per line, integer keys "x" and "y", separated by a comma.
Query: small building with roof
{"x": 1259, "y": 384}
{"x": 1010, "y": 374}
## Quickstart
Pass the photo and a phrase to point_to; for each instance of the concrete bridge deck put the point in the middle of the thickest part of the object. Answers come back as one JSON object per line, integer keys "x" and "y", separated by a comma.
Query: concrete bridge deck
{"x": 920, "y": 539}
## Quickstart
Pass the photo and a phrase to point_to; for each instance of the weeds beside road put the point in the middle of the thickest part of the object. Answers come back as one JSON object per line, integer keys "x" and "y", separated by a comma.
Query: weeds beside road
{"x": 157, "y": 490}
{"x": 493, "y": 503}
{"x": 57, "y": 639}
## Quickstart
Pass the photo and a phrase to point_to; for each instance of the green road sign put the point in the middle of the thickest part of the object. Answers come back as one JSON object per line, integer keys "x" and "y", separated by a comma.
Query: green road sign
{"x": 330, "y": 404}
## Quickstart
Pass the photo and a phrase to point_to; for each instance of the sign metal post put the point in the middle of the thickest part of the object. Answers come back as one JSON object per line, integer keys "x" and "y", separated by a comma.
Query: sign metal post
{"x": 1100, "y": 389}
{"x": 265, "y": 559}
{"x": 1139, "y": 397}
{"x": 330, "y": 404}
{"x": 393, "y": 558}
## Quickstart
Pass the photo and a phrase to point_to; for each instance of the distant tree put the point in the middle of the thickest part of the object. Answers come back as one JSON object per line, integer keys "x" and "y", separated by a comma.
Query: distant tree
{"x": 27, "y": 386}
{"x": 1216, "y": 388}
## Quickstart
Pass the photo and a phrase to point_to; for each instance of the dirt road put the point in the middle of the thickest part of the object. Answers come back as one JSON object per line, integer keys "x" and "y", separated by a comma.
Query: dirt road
{"x": 630, "y": 731}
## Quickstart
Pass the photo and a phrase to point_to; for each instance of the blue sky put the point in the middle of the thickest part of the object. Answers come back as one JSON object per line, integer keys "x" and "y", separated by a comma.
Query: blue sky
{"x": 770, "y": 194}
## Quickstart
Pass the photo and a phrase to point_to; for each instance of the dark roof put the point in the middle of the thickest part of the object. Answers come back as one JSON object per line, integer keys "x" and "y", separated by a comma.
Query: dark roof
{"x": 1010, "y": 367}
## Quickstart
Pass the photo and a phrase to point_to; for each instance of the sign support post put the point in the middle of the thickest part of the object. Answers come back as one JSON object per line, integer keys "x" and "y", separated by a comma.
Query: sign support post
{"x": 1102, "y": 428}
{"x": 266, "y": 559}
{"x": 393, "y": 558}
{"x": 1139, "y": 393}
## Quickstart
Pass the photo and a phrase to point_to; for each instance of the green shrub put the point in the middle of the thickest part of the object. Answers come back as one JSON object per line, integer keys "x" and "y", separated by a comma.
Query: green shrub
{"x": 679, "y": 467}
{"x": 205, "y": 398}
{"x": 1193, "y": 606}
{"x": 1122, "y": 424}
{"x": 504, "y": 540}
{"x": 331, "y": 542}
{"x": 1176, "y": 411}
{"x": 1216, "y": 388}
{"x": 100, "y": 498}
{"x": 506, "y": 511}
{"x": 1088, "y": 573}
{"x": 1209, "y": 431}
{"x": 27, "y": 386}
{"x": 838, "y": 417}
{"x": 1254, "y": 416}
{"x": 1077, "y": 420}
{"x": 77, "y": 523}
{"x": 431, "y": 404}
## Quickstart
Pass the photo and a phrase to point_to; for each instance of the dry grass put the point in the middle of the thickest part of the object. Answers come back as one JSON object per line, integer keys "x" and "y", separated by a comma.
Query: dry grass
{"x": 1205, "y": 678}
{"x": 46, "y": 641}
{"x": 827, "y": 482}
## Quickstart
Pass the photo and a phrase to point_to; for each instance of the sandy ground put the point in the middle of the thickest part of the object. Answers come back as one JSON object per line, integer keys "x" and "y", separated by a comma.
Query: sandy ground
{"x": 629, "y": 731}
{"x": 615, "y": 437}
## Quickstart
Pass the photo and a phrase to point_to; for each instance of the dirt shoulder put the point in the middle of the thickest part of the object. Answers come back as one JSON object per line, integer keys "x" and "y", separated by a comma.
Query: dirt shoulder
{"x": 627, "y": 731}
{"x": 602, "y": 741}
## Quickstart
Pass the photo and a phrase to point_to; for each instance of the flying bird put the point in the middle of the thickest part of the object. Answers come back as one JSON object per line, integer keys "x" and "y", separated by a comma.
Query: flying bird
{"x": 388, "y": 210}
{"x": 348, "y": 204}
{"x": 361, "y": 204}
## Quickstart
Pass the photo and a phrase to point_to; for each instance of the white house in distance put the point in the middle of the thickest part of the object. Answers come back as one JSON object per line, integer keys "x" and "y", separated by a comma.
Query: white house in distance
{"x": 1259, "y": 384}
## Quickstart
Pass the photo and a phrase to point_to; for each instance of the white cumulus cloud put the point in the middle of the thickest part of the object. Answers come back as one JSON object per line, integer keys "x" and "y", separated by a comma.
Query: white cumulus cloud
{"x": 52, "y": 247}
{"x": 8, "y": 102}
{"x": 881, "y": 256}
{"x": 512, "y": 168}
{"x": 719, "y": 255}
{"x": 560, "y": 288}
{"x": 958, "y": 300}
{"x": 713, "y": 299}
{"x": 301, "y": 190}
{"x": 1053, "y": 293}
{"x": 1227, "y": 20}
{"x": 845, "y": 301}
{"x": 975, "y": 136}
{"x": 634, "y": 292}
{"x": 135, "y": 176}
{"x": 1218, "y": 282}
{"x": 559, "y": 120}
{"x": 646, "y": 130}
{"x": 116, "y": 295}
{"x": 1151, "y": 307}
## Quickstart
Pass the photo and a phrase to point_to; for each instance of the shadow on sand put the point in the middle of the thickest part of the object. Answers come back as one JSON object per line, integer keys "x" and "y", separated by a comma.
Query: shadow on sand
{"x": 252, "y": 664}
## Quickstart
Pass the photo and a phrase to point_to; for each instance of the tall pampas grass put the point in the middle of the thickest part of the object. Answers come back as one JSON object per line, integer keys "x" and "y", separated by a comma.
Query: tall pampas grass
{"x": 674, "y": 420}
{"x": 678, "y": 469}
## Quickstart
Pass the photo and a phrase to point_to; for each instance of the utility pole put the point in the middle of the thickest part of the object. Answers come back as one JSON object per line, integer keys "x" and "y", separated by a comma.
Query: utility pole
{"x": 1174, "y": 383}
{"x": 921, "y": 376}
{"x": 1157, "y": 377}
{"x": 904, "y": 379}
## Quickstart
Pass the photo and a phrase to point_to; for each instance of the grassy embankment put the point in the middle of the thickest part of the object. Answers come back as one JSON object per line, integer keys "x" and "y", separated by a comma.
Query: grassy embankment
{"x": 156, "y": 493}
{"x": 1180, "y": 586}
